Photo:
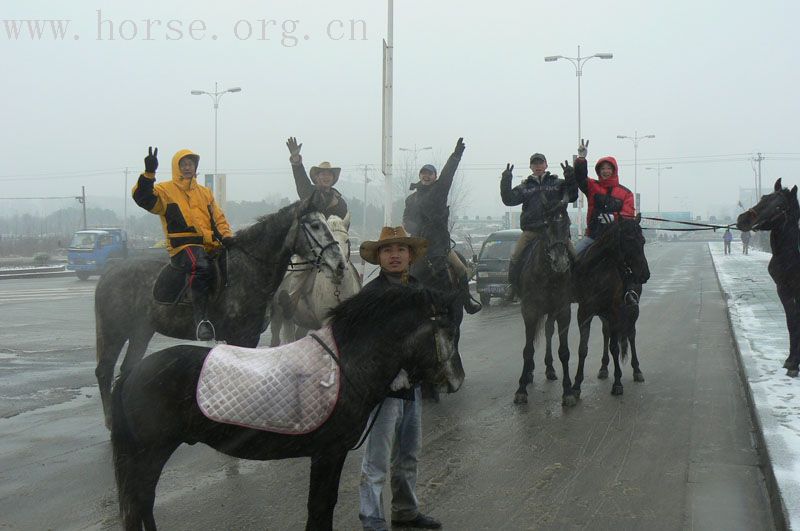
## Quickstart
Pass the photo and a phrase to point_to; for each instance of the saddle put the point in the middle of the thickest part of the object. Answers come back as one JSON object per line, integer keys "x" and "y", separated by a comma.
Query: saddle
{"x": 291, "y": 389}
{"x": 172, "y": 286}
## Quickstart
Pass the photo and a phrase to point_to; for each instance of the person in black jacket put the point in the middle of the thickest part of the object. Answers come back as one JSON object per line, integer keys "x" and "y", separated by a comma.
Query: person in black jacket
{"x": 396, "y": 434}
{"x": 426, "y": 215}
{"x": 540, "y": 190}
{"x": 323, "y": 178}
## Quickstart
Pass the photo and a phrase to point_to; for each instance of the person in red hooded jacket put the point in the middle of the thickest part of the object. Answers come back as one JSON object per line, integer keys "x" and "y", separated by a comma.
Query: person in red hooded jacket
{"x": 607, "y": 202}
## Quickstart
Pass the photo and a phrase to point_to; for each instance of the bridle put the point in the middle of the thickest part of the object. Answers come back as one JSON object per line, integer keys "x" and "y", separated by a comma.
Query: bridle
{"x": 313, "y": 244}
{"x": 782, "y": 211}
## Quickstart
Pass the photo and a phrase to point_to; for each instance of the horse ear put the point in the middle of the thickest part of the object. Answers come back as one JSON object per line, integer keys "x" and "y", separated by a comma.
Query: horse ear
{"x": 794, "y": 190}
{"x": 778, "y": 185}
{"x": 639, "y": 218}
{"x": 347, "y": 220}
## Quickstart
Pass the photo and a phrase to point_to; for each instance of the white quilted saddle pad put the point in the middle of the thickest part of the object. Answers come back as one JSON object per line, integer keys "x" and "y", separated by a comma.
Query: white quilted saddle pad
{"x": 290, "y": 389}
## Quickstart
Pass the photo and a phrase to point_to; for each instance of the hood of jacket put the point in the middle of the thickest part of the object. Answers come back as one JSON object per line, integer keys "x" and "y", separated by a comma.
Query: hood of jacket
{"x": 611, "y": 181}
{"x": 183, "y": 184}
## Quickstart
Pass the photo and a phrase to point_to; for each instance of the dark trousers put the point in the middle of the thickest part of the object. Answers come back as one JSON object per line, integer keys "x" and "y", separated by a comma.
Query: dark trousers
{"x": 194, "y": 261}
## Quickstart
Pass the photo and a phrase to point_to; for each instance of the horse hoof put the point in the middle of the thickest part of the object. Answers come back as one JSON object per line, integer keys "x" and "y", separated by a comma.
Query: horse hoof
{"x": 576, "y": 393}
{"x": 551, "y": 375}
{"x": 793, "y": 373}
{"x": 569, "y": 401}
{"x": 603, "y": 374}
{"x": 521, "y": 398}
{"x": 616, "y": 390}
{"x": 638, "y": 377}
{"x": 108, "y": 422}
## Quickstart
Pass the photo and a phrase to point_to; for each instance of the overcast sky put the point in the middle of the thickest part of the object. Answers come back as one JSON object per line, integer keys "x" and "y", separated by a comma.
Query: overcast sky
{"x": 711, "y": 78}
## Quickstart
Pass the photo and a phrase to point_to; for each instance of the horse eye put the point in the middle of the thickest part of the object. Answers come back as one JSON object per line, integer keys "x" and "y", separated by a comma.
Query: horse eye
{"x": 315, "y": 225}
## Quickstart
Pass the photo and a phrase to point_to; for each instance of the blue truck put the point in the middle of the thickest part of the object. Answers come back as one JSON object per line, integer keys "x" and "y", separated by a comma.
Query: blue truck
{"x": 93, "y": 251}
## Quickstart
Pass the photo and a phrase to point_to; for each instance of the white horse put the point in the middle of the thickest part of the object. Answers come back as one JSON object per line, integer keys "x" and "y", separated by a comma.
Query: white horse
{"x": 305, "y": 296}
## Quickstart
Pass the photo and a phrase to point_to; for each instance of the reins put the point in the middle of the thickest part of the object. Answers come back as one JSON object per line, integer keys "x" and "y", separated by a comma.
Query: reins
{"x": 339, "y": 363}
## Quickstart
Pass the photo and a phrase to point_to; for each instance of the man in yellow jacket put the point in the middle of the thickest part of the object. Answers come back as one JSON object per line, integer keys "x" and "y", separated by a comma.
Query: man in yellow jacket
{"x": 193, "y": 224}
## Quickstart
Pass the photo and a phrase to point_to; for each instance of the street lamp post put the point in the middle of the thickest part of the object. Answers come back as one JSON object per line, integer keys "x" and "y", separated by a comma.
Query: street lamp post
{"x": 636, "y": 138}
{"x": 658, "y": 169}
{"x": 415, "y": 150}
{"x": 215, "y": 97}
{"x": 578, "y": 63}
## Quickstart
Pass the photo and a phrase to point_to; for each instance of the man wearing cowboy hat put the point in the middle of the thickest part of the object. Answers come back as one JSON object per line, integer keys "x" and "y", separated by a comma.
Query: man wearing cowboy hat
{"x": 396, "y": 434}
{"x": 323, "y": 177}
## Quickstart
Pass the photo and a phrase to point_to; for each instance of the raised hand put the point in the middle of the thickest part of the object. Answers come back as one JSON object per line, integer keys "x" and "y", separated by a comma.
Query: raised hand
{"x": 294, "y": 147}
{"x": 569, "y": 171}
{"x": 151, "y": 160}
{"x": 583, "y": 149}
{"x": 509, "y": 170}
{"x": 460, "y": 146}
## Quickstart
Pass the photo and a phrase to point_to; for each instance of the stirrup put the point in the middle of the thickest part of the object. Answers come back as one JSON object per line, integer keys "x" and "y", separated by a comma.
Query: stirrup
{"x": 203, "y": 337}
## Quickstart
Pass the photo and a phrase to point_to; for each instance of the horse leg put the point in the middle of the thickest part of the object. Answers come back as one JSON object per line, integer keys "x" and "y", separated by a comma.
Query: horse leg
{"x": 616, "y": 388}
{"x": 531, "y": 322}
{"x": 584, "y": 325}
{"x": 137, "y": 346}
{"x": 790, "y": 308}
{"x": 109, "y": 345}
{"x": 568, "y": 397}
{"x": 637, "y": 373}
{"x": 323, "y": 490}
{"x": 549, "y": 329}
{"x": 275, "y": 325}
{"x": 603, "y": 373}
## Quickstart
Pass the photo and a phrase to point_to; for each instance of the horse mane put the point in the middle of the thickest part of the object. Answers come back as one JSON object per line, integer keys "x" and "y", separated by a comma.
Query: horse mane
{"x": 382, "y": 307}
{"x": 264, "y": 227}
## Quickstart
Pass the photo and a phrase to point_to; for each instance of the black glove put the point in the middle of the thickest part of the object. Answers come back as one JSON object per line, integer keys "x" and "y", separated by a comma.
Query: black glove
{"x": 509, "y": 171}
{"x": 460, "y": 146}
{"x": 228, "y": 242}
{"x": 569, "y": 171}
{"x": 151, "y": 160}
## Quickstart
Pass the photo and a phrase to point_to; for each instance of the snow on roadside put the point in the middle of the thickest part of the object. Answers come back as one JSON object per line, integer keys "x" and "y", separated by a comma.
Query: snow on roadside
{"x": 759, "y": 328}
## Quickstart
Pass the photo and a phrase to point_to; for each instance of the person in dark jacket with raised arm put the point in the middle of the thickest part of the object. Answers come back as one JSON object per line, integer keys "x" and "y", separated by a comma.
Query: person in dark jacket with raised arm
{"x": 426, "y": 215}
{"x": 541, "y": 190}
{"x": 322, "y": 179}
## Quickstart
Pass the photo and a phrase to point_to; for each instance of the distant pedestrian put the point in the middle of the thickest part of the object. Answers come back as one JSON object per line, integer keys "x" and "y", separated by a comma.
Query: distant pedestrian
{"x": 745, "y": 241}
{"x": 727, "y": 238}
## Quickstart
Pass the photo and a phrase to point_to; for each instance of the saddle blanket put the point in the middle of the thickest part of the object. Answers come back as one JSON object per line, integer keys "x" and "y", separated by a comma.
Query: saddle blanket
{"x": 290, "y": 389}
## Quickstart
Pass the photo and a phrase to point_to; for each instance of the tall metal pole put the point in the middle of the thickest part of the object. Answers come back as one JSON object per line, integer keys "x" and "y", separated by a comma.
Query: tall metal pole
{"x": 387, "y": 165}
{"x": 216, "y": 107}
{"x": 83, "y": 202}
{"x": 636, "y": 168}
{"x": 364, "y": 219}
{"x": 579, "y": 75}
{"x": 760, "y": 188}
{"x": 125, "y": 203}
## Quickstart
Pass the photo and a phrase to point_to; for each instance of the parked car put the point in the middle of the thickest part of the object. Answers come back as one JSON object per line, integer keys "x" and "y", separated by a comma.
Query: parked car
{"x": 491, "y": 272}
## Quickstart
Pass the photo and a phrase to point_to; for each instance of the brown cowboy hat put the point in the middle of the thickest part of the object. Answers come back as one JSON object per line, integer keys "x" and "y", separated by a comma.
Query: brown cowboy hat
{"x": 324, "y": 166}
{"x": 389, "y": 235}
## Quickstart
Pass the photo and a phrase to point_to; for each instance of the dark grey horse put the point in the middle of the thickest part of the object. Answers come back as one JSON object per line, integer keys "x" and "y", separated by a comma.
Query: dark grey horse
{"x": 544, "y": 290}
{"x": 125, "y": 309}
{"x": 779, "y": 213}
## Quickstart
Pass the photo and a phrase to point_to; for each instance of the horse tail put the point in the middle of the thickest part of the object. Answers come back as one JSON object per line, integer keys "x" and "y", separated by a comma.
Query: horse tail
{"x": 630, "y": 313}
{"x": 124, "y": 446}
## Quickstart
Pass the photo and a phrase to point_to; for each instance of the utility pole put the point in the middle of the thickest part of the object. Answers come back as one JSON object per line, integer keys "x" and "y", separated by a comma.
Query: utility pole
{"x": 364, "y": 219}
{"x": 760, "y": 188}
{"x": 125, "y": 203}
{"x": 82, "y": 200}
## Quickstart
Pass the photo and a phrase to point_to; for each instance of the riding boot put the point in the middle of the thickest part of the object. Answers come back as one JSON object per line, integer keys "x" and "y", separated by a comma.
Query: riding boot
{"x": 471, "y": 306}
{"x": 204, "y": 329}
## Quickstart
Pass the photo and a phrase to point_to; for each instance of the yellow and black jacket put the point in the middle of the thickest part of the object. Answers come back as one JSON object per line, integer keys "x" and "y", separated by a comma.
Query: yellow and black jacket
{"x": 188, "y": 211}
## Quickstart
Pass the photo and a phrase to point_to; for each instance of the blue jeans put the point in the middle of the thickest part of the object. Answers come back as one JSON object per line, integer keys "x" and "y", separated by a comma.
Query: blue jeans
{"x": 395, "y": 439}
{"x": 582, "y": 245}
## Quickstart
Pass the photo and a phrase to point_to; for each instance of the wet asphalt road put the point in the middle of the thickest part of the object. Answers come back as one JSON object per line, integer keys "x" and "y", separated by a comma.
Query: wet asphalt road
{"x": 675, "y": 452}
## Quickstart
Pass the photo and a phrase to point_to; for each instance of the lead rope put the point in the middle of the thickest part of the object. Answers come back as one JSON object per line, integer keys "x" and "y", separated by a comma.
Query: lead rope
{"x": 339, "y": 363}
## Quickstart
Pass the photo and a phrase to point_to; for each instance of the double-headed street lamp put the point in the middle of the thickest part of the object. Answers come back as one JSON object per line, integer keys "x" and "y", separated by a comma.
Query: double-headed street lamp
{"x": 635, "y": 139}
{"x": 658, "y": 169}
{"x": 215, "y": 97}
{"x": 578, "y": 63}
